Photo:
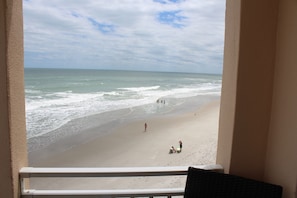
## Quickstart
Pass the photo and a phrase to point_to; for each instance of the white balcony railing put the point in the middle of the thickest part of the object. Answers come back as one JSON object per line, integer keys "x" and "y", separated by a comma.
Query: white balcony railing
{"x": 28, "y": 172}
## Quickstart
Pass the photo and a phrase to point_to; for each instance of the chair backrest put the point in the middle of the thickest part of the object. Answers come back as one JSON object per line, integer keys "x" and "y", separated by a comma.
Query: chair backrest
{"x": 209, "y": 184}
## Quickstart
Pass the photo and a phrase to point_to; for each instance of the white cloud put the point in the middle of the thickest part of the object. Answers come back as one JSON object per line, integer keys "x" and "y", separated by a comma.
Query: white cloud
{"x": 125, "y": 34}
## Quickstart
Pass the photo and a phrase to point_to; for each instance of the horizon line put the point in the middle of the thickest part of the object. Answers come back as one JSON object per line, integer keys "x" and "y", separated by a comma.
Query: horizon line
{"x": 125, "y": 70}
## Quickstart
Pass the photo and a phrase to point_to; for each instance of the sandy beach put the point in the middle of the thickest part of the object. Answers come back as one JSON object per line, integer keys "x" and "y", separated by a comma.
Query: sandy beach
{"x": 128, "y": 145}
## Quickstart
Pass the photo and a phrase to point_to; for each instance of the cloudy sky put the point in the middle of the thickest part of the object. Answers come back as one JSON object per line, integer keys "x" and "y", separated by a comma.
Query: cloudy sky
{"x": 150, "y": 35}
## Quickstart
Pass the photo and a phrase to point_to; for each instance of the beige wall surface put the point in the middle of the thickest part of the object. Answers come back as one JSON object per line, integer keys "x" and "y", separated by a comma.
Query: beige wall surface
{"x": 258, "y": 126}
{"x": 228, "y": 96}
{"x": 281, "y": 163}
{"x": 5, "y": 168}
{"x": 247, "y": 86}
{"x": 13, "y": 146}
{"x": 254, "y": 86}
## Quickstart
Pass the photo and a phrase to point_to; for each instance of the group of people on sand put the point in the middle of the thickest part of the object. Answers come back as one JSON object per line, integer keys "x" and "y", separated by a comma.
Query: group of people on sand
{"x": 178, "y": 149}
{"x": 160, "y": 101}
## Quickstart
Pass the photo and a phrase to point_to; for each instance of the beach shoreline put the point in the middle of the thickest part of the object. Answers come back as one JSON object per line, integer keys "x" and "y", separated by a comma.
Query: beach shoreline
{"x": 111, "y": 131}
{"x": 86, "y": 129}
{"x": 130, "y": 146}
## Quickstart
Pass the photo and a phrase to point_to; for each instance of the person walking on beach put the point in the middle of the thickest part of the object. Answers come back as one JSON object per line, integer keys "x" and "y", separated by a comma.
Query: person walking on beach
{"x": 145, "y": 127}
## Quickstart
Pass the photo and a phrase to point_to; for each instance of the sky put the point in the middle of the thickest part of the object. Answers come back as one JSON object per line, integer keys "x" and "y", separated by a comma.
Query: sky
{"x": 142, "y": 35}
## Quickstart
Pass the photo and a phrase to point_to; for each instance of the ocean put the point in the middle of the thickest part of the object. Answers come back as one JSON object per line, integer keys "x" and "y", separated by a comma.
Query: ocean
{"x": 64, "y": 102}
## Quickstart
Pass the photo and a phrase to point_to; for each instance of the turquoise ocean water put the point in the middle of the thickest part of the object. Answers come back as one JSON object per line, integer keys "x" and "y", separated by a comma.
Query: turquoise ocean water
{"x": 65, "y": 102}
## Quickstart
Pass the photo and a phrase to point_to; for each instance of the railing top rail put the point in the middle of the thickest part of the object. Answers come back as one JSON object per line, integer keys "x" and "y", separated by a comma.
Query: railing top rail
{"x": 111, "y": 193}
{"x": 28, "y": 172}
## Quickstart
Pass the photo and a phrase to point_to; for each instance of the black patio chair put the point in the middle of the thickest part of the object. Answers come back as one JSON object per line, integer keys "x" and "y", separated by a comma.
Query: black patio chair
{"x": 209, "y": 184}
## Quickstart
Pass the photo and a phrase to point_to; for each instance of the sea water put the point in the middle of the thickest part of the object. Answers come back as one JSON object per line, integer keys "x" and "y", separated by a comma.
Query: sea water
{"x": 64, "y": 102}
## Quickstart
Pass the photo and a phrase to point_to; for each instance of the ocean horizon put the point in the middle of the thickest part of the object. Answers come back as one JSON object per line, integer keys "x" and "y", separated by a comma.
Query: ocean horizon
{"x": 61, "y": 103}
